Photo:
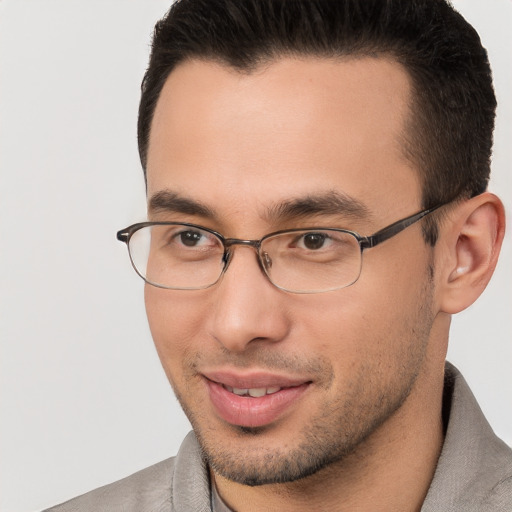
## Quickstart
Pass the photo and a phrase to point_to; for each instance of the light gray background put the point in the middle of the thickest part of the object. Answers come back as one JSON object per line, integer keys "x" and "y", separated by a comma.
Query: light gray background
{"x": 83, "y": 399}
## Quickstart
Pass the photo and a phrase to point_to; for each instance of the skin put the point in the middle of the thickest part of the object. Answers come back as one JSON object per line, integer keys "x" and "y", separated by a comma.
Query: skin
{"x": 368, "y": 429}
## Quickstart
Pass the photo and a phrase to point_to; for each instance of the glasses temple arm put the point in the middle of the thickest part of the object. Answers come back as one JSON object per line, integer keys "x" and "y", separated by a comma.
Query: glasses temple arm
{"x": 395, "y": 228}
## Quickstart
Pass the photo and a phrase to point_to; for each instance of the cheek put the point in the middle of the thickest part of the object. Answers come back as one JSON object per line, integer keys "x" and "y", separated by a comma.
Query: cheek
{"x": 175, "y": 321}
{"x": 395, "y": 277}
{"x": 375, "y": 321}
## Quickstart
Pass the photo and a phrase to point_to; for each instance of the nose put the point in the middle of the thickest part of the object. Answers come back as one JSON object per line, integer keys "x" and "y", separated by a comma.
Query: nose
{"x": 247, "y": 307}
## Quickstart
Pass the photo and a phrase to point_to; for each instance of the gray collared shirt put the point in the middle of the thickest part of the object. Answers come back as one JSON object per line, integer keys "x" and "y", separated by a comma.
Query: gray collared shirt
{"x": 474, "y": 471}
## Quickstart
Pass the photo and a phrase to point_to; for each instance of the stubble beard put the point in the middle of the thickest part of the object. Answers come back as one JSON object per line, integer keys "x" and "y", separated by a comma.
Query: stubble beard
{"x": 342, "y": 426}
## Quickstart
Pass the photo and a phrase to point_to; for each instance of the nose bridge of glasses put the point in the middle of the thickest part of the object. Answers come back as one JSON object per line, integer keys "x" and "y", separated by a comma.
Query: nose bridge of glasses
{"x": 229, "y": 242}
{"x": 263, "y": 259}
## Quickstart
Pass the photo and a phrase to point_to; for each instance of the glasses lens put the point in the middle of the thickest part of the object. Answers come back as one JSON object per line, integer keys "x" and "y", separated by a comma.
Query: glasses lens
{"x": 312, "y": 261}
{"x": 176, "y": 256}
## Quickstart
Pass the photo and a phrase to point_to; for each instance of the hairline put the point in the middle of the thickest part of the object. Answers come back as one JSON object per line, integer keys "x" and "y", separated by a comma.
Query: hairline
{"x": 412, "y": 145}
{"x": 409, "y": 148}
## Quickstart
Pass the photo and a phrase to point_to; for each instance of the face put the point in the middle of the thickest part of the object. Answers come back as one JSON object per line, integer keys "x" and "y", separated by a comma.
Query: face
{"x": 279, "y": 385}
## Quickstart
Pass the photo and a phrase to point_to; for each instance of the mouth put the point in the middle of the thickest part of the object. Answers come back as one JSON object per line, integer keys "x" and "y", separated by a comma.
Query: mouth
{"x": 252, "y": 392}
{"x": 254, "y": 400}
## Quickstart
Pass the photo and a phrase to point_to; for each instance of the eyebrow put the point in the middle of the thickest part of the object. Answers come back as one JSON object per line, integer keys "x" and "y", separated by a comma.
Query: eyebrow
{"x": 171, "y": 202}
{"x": 329, "y": 203}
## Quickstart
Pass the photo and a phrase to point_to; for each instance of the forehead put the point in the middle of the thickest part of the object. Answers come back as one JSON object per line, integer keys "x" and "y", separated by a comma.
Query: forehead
{"x": 291, "y": 128}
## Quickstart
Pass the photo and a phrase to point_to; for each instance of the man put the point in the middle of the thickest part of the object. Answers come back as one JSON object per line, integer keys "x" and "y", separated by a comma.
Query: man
{"x": 316, "y": 181}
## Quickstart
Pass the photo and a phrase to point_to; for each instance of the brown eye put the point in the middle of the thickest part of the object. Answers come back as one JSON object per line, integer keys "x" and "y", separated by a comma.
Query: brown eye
{"x": 190, "y": 238}
{"x": 314, "y": 241}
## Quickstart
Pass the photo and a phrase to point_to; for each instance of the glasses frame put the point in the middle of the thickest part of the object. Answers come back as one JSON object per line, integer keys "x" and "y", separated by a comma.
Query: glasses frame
{"x": 365, "y": 242}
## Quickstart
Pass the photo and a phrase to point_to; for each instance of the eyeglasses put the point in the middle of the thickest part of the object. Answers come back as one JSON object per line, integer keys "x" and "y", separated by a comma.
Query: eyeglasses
{"x": 183, "y": 256}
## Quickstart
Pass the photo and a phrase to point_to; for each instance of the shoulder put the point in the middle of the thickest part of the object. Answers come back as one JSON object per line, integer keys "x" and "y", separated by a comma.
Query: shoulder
{"x": 149, "y": 489}
{"x": 177, "y": 484}
{"x": 500, "y": 496}
{"x": 474, "y": 470}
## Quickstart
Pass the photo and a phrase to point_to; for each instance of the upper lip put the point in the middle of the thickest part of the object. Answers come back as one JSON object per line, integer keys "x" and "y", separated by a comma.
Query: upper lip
{"x": 253, "y": 379}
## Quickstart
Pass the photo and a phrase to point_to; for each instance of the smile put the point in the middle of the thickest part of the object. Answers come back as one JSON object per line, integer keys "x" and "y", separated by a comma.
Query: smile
{"x": 255, "y": 400}
{"x": 253, "y": 392}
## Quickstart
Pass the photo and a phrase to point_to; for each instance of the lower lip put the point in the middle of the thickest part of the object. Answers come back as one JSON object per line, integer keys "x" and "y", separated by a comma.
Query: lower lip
{"x": 246, "y": 411}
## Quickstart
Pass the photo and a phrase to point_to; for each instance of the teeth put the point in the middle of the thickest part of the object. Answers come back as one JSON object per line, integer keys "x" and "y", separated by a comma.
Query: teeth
{"x": 257, "y": 392}
{"x": 253, "y": 392}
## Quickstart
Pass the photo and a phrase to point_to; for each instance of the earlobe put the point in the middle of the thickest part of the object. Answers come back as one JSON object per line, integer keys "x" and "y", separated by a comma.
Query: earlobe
{"x": 473, "y": 236}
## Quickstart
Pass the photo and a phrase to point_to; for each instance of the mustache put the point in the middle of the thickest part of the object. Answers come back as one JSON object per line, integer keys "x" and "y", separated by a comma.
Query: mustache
{"x": 266, "y": 360}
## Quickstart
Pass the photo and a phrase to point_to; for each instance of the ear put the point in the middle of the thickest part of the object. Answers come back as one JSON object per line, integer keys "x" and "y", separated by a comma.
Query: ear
{"x": 471, "y": 240}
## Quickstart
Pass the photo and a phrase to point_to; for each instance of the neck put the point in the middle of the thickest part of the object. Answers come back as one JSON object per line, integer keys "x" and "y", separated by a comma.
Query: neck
{"x": 391, "y": 470}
